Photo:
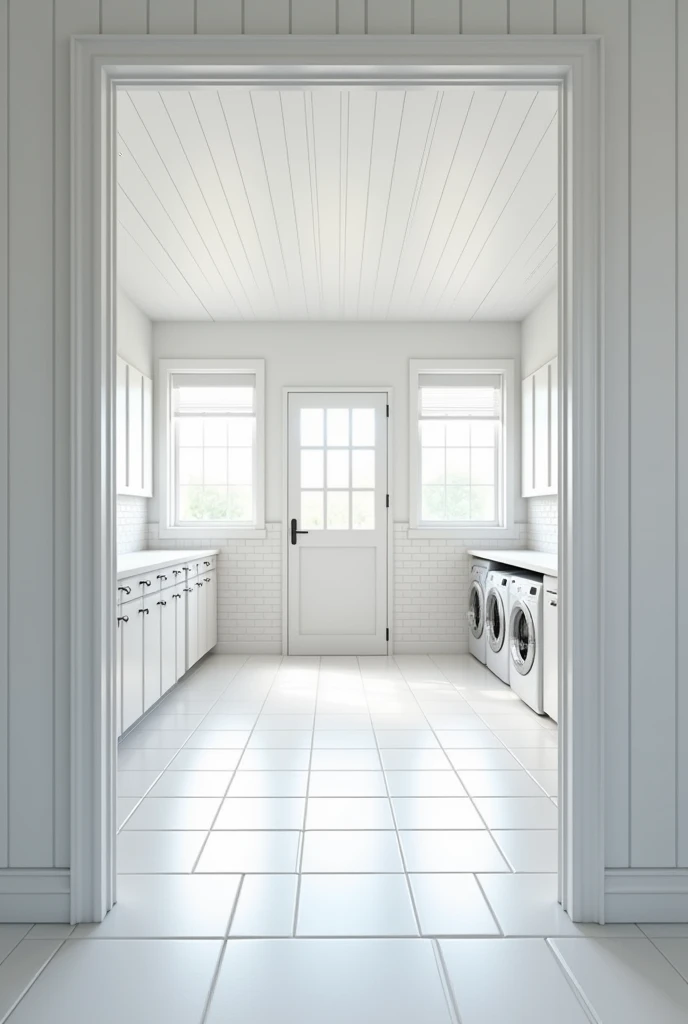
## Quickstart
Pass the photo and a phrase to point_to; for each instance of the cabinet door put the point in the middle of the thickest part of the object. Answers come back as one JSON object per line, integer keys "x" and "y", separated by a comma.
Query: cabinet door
{"x": 180, "y": 630}
{"x": 131, "y": 629}
{"x": 150, "y": 613}
{"x": 554, "y": 426}
{"x": 168, "y": 641}
{"x": 147, "y": 436}
{"x": 202, "y": 598}
{"x": 541, "y": 429}
{"x": 527, "y": 479}
{"x": 211, "y": 610}
{"x": 121, "y": 426}
{"x": 191, "y": 624}
{"x": 135, "y": 430}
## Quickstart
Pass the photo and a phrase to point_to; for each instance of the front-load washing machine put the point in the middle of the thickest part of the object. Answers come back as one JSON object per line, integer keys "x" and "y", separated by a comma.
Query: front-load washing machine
{"x": 476, "y": 606}
{"x": 524, "y": 638}
{"x": 496, "y": 622}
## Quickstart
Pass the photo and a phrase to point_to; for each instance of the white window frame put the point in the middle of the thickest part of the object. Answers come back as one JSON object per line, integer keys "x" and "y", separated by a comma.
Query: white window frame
{"x": 166, "y": 449}
{"x": 506, "y": 528}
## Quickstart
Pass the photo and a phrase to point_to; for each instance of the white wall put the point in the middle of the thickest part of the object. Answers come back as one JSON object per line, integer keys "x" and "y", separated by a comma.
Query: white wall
{"x": 134, "y": 333}
{"x": 539, "y": 344}
{"x": 646, "y": 335}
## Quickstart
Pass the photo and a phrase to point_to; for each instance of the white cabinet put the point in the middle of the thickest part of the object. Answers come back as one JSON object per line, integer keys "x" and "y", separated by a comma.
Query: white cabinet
{"x": 134, "y": 431}
{"x": 166, "y": 621}
{"x": 550, "y": 648}
{"x": 168, "y": 640}
{"x": 131, "y": 631}
{"x": 539, "y": 431}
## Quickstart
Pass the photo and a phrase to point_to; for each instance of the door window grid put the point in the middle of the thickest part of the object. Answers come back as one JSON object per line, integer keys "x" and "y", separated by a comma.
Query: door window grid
{"x": 337, "y": 450}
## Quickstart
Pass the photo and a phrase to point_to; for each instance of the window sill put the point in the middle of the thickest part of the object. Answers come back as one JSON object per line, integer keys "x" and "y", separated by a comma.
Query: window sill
{"x": 495, "y": 533}
{"x": 211, "y": 532}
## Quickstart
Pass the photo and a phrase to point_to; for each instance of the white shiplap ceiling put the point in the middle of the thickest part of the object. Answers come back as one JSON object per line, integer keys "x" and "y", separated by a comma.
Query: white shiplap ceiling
{"x": 337, "y": 205}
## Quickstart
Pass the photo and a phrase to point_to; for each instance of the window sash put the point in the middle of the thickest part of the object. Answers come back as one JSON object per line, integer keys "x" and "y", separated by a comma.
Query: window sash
{"x": 177, "y": 485}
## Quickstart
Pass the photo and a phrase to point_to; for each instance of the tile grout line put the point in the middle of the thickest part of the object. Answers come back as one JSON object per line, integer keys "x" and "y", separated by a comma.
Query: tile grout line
{"x": 214, "y": 980}
{"x": 575, "y": 987}
{"x": 33, "y": 981}
{"x": 447, "y": 987}
{"x": 391, "y": 808}
{"x": 232, "y": 913}
{"x": 302, "y": 836}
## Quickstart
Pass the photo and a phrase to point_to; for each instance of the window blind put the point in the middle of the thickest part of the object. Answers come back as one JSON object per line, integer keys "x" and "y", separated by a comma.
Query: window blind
{"x": 461, "y": 395}
{"x": 213, "y": 394}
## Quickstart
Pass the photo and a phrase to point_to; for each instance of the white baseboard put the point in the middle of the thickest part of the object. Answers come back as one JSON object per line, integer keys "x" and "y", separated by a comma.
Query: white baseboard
{"x": 252, "y": 647}
{"x": 429, "y": 647}
{"x": 646, "y": 896}
{"x": 34, "y": 896}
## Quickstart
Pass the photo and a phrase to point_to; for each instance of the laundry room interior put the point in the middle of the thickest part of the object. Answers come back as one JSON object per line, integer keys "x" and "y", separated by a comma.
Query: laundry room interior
{"x": 337, "y": 437}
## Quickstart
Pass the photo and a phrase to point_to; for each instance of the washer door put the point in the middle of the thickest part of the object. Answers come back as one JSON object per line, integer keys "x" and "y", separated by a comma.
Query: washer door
{"x": 521, "y": 638}
{"x": 495, "y": 623}
{"x": 476, "y": 609}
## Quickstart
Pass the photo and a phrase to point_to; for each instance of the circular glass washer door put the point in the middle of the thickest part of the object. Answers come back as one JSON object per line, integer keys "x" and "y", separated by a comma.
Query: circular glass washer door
{"x": 522, "y": 638}
{"x": 476, "y": 603}
{"x": 495, "y": 623}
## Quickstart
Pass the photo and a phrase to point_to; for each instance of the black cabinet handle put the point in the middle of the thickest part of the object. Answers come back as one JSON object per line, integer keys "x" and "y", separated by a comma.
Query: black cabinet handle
{"x": 122, "y": 618}
{"x": 127, "y": 590}
{"x": 199, "y": 584}
{"x": 185, "y": 568}
{"x": 177, "y": 572}
{"x": 176, "y": 595}
{"x": 294, "y": 531}
{"x": 161, "y": 602}
{"x": 188, "y": 590}
{"x": 206, "y": 563}
{"x": 144, "y": 611}
{"x": 207, "y": 579}
{"x": 144, "y": 583}
{"x": 161, "y": 577}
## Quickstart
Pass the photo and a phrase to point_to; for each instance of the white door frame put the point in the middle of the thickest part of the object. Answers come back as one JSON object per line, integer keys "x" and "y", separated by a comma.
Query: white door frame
{"x": 290, "y": 389}
{"x": 100, "y": 64}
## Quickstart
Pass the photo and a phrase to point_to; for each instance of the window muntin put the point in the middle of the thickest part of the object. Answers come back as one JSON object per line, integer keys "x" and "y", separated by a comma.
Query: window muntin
{"x": 214, "y": 426}
{"x": 460, "y": 425}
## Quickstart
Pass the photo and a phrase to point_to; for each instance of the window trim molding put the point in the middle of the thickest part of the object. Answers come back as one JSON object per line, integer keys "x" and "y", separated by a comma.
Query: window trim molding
{"x": 509, "y": 528}
{"x": 168, "y": 529}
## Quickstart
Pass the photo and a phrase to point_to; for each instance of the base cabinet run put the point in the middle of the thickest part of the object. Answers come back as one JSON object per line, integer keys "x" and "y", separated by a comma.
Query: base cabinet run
{"x": 166, "y": 622}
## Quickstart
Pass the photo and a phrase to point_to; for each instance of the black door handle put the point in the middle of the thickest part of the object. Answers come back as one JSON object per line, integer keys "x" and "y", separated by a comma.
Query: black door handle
{"x": 294, "y": 531}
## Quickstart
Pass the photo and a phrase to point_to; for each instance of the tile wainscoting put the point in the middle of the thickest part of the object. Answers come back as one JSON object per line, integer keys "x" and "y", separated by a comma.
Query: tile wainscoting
{"x": 430, "y": 591}
{"x": 132, "y": 524}
{"x": 543, "y": 523}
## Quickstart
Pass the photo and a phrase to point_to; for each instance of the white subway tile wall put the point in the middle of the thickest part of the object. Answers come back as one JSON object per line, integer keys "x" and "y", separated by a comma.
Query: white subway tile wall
{"x": 132, "y": 524}
{"x": 431, "y": 591}
{"x": 543, "y": 520}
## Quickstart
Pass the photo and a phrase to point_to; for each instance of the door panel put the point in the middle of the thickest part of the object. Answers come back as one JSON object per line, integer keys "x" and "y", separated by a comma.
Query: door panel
{"x": 337, "y": 508}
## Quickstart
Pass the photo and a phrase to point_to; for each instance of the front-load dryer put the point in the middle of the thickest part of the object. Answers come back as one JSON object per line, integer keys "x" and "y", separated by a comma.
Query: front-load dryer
{"x": 476, "y": 606}
{"x": 524, "y": 638}
{"x": 496, "y": 623}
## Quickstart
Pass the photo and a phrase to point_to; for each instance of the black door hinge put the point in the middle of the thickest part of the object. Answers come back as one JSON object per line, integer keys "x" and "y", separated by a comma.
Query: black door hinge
{"x": 388, "y": 411}
{"x": 388, "y": 632}
{"x": 387, "y": 503}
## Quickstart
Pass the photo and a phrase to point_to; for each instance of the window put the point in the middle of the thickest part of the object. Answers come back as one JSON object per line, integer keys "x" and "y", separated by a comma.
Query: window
{"x": 212, "y": 467}
{"x": 458, "y": 449}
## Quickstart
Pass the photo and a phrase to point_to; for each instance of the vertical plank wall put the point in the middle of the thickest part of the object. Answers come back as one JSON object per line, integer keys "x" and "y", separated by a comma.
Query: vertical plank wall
{"x": 645, "y": 363}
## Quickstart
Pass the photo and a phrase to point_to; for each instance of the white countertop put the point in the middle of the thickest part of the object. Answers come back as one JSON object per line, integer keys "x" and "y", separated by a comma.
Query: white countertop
{"x": 531, "y": 561}
{"x": 147, "y": 561}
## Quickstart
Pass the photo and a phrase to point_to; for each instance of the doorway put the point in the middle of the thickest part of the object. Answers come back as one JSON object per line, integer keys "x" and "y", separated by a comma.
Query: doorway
{"x": 337, "y": 520}
{"x": 93, "y": 641}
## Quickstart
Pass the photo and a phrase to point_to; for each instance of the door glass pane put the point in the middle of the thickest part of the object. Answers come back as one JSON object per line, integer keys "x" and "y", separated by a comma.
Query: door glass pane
{"x": 337, "y": 510}
{"x": 311, "y": 510}
{"x": 363, "y": 468}
{"x": 458, "y": 465}
{"x": 363, "y": 427}
{"x": 312, "y": 427}
{"x": 311, "y": 467}
{"x": 337, "y": 427}
{"x": 363, "y": 510}
{"x": 337, "y": 468}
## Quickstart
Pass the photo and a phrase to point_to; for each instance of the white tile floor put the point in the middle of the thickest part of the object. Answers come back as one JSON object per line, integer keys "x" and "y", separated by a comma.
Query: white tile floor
{"x": 338, "y": 839}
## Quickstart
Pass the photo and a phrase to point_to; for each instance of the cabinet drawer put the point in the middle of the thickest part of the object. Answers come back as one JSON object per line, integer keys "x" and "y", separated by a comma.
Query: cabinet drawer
{"x": 208, "y": 564}
{"x": 128, "y": 590}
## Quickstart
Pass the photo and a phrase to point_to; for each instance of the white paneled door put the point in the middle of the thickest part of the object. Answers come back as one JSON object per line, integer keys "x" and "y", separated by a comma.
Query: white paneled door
{"x": 337, "y": 519}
